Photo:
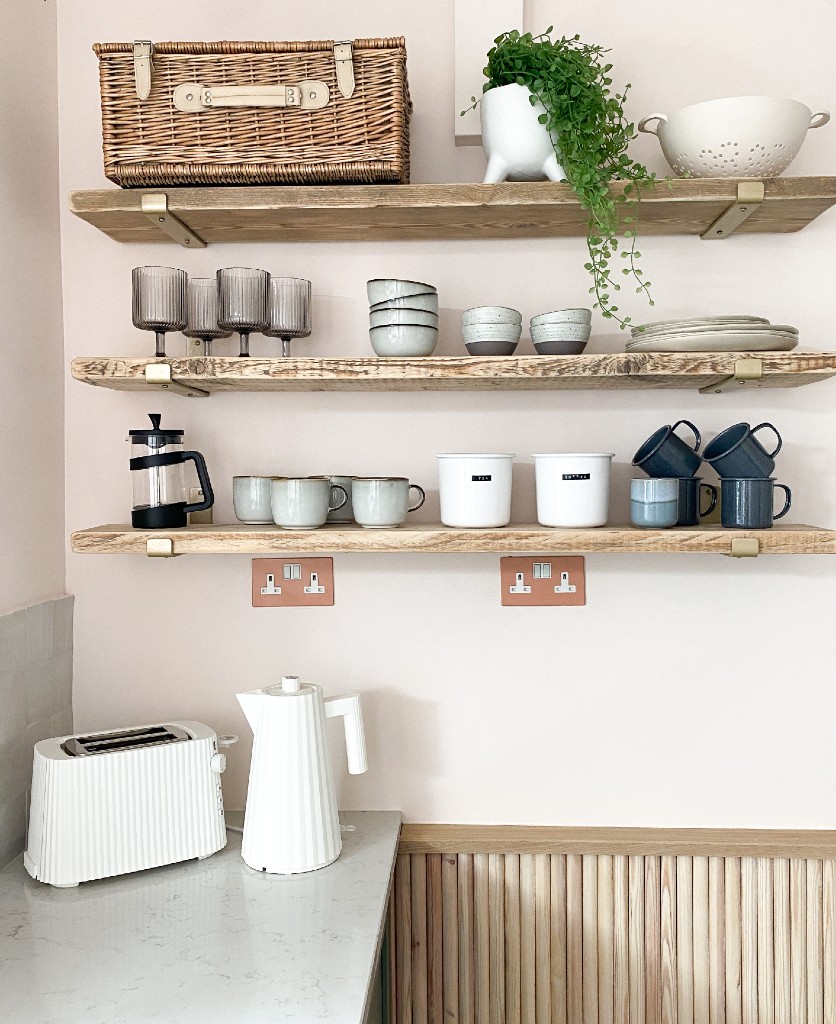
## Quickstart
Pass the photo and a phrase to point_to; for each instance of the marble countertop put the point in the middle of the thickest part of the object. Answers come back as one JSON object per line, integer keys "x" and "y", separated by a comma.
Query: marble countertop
{"x": 204, "y": 941}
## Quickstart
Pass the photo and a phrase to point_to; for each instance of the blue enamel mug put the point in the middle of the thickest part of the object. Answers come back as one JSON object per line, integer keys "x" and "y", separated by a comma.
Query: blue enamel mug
{"x": 737, "y": 453}
{"x": 665, "y": 454}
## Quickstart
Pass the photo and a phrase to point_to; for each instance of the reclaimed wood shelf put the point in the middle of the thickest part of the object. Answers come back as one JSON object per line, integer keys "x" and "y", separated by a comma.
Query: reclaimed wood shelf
{"x": 716, "y": 371}
{"x": 361, "y": 213}
{"x": 435, "y": 539}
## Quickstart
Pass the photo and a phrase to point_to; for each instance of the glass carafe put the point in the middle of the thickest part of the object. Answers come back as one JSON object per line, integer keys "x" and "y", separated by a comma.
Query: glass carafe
{"x": 159, "y": 490}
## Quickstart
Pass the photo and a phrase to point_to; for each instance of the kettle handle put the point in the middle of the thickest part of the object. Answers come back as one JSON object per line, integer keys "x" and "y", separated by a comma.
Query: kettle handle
{"x": 355, "y": 737}
{"x": 203, "y": 477}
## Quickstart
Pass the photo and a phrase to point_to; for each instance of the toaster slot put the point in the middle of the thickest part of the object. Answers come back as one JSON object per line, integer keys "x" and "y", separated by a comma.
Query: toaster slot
{"x": 123, "y": 739}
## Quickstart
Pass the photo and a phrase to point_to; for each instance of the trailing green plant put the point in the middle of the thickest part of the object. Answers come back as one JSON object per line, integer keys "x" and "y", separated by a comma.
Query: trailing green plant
{"x": 590, "y": 133}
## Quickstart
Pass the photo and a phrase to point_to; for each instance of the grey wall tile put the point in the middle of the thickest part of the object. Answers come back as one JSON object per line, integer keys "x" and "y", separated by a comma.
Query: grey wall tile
{"x": 12, "y": 642}
{"x": 39, "y": 632}
{"x": 12, "y": 828}
{"x": 62, "y": 625}
{"x": 39, "y": 680}
{"x": 62, "y": 683}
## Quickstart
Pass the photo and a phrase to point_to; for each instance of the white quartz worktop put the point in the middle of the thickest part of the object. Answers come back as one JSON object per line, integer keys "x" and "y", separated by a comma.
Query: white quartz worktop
{"x": 204, "y": 942}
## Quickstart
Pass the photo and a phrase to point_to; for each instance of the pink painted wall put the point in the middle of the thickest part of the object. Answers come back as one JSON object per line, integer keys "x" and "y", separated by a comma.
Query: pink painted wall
{"x": 31, "y": 385}
{"x": 690, "y": 690}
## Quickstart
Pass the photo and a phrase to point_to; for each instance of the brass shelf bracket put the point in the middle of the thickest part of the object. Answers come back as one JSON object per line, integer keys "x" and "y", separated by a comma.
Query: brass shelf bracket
{"x": 160, "y": 547}
{"x": 158, "y": 375}
{"x": 155, "y": 207}
{"x": 745, "y": 547}
{"x": 747, "y": 373}
{"x": 750, "y": 195}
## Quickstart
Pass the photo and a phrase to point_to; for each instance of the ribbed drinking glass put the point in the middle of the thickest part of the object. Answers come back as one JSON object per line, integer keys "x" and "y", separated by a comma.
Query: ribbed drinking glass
{"x": 159, "y": 301}
{"x": 290, "y": 310}
{"x": 242, "y": 302}
{"x": 202, "y": 323}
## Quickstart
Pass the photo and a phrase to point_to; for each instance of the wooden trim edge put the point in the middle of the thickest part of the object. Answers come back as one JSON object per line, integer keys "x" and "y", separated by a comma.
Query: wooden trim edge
{"x": 709, "y": 842}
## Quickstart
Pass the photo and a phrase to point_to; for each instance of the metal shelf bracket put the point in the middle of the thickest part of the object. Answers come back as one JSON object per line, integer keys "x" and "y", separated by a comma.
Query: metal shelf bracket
{"x": 745, "y": 547}
{"x": 158, "y": 375}
{"x": 750, "y": 195}
{"x": 747, "y": 373}
{"x": 160, "y": 547}
{"x": 155, "y": 207}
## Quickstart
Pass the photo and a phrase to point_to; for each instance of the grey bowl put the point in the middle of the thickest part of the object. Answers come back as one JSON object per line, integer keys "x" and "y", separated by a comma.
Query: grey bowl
{"x": 560, "y": 348}
{"x": 405, "y": 340}
{"x": 490, "y": 348}
{"x": 426, "y": 300}
{"x": 384, "y": 317}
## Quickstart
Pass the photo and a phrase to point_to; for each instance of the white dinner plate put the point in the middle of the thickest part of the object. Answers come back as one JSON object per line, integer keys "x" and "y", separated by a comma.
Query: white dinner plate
{"x": 753, "y": 329}
{"x": 701, "y": 320}
{"x": 719, "y": 341}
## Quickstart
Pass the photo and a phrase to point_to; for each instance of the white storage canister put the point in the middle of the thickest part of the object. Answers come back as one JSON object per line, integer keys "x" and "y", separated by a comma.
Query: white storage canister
{"x": 475, "y": 490}
{"x": 573, "y": 490}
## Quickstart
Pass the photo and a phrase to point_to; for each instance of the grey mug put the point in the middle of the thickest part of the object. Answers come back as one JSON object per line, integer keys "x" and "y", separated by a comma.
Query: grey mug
{"x": 747, "y": 503}
{"x": 654, "y": 503}
{"x": 345, "y": 513}
{"x": 383, "y": 502}
{"x": 303, "y": 503}
{"x": 736, "y": 452}
{"x": 664, "y": 454}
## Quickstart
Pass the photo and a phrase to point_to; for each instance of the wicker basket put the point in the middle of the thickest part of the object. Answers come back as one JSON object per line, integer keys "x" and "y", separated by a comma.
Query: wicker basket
{"x": 361, "y": 138}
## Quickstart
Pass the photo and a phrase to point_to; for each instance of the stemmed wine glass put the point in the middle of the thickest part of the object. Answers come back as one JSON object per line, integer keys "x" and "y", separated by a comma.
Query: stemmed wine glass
{"x": 242, "y": 302}
{"x": 202, "y": 301}
{"x": 289, "y": 312}
{"x": 159, "y": 301}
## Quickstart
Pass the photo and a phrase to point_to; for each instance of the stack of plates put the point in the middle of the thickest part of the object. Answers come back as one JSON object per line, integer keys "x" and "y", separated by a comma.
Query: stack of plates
{"x": 714, "y": 334}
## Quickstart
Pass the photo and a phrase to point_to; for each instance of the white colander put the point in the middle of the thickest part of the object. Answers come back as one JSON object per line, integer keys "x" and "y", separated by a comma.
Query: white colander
{"x": 738, "y": 137}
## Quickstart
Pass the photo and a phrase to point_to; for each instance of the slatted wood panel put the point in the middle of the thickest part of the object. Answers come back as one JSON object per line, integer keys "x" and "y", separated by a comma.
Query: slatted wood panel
{"x": 551, "y": 938}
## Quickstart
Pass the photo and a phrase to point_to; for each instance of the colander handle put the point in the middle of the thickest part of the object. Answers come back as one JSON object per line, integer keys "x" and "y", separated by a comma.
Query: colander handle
{"x": 819, "y": 119}
{"x": 645, "y": 122}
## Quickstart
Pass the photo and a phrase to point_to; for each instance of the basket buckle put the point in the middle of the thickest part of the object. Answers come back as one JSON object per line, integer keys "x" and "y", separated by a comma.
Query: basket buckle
{"x": 143, "y": 67}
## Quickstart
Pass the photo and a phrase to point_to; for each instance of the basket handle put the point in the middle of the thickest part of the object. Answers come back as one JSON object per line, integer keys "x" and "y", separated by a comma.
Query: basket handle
{"x": 819, "y": 119}
{"x": 644, "y": 124}
{"x": 306, "y": 95}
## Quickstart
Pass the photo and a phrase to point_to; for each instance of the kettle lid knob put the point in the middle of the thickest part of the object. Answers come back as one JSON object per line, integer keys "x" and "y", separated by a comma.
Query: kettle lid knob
{"x": 290, "y": 684}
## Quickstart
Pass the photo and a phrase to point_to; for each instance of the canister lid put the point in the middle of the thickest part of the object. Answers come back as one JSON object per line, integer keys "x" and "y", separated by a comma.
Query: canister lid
{"x": 155, "y": 437}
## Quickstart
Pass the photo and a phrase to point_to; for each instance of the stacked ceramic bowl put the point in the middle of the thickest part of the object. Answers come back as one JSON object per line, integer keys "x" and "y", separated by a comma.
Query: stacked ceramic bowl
{"x": 403, "y": 318}
{"x": 564, "y": 332}
{"x": 491, "y": 330}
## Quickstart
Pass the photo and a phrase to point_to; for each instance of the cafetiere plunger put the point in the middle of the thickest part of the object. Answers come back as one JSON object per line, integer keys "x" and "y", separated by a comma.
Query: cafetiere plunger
{"x": 157, "y": 459}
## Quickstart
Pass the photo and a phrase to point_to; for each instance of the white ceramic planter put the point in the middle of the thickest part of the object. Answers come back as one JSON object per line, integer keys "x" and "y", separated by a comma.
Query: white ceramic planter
{"x": 475, "y": 490}
{"x": 517, "y": 146}
{"x": 573, "y": 490}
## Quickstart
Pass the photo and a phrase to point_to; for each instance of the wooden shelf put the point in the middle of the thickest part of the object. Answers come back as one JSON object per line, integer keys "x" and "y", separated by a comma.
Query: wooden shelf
{"x": 415, "y": 212}
{"x": 710, "y": 371}
{"x": 435, "y": 539}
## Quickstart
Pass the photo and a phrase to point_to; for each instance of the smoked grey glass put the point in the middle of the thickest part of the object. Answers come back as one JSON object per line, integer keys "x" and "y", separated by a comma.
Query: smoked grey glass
{"x": 202, "y": 320}
{"x": 242, "y": 302}
{"x": 159, "y": 301}
{"x": 290, "y": 310}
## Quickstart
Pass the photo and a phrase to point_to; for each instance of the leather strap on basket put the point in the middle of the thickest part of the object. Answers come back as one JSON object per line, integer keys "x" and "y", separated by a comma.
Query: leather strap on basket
{"x": 344, "y": 58}
{"x": 306, "y": 95}
{"x": 143, "y": 67}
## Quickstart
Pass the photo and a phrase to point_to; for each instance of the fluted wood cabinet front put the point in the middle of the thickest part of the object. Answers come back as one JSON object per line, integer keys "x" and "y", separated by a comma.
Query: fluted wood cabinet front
{"x": 596, "y": 938}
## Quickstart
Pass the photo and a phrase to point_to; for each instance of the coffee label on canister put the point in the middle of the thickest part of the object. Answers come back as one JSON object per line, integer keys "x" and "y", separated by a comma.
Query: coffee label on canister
{"x": 577, "y": 476}
{"x": 481, "y": 477}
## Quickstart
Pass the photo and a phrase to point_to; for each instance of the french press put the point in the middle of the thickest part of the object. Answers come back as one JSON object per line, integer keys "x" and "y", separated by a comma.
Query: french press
{"x": 157, "y": 459}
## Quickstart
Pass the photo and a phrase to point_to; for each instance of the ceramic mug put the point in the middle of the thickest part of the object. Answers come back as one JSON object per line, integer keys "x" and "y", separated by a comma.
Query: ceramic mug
{"x": 382, "y": 502}
{"x": 664, "y": 454}
{"x": 251, "y": 498}
{"x": 345, "y": 513}
{"x": 303, "y": 503}
{"x": 736, "y": 452}
{"x": 747, "y": 503}
{"x": 690, "y": 492}
{"x": 654, "y": 503}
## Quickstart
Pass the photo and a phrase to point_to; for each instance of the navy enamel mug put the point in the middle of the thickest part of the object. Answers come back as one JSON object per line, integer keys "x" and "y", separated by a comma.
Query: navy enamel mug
{"x": 747, "y": 504}
{"x": 690, "y": 493}
{"x": 737, "y": 453}
{"x": 664, "y": 454}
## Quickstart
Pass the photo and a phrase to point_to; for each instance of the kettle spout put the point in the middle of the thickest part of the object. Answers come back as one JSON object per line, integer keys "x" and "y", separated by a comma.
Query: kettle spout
{"x": 251, "y": 704}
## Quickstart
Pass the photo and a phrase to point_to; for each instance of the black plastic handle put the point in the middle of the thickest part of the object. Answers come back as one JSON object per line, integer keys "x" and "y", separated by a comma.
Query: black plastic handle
{"x": 205, "y": 483}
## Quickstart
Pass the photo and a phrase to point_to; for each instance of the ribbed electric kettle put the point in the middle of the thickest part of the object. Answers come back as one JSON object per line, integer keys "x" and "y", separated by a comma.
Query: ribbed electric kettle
{"x": 291, "y": 823}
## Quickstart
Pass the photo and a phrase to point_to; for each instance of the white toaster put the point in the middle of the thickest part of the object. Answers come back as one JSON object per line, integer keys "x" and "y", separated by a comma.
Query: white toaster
{"x": 108, "y": 803}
